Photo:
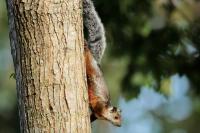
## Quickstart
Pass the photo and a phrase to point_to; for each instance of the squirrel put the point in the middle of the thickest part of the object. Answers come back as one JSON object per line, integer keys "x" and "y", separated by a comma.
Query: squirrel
{"x": 99, "y": 98}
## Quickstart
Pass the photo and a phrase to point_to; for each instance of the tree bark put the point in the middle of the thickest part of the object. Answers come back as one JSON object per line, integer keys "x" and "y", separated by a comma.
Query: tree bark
{"x": 46, "y": 38}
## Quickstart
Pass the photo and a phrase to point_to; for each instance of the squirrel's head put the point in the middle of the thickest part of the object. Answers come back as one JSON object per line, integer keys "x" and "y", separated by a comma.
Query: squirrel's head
{"x": 113, "y": 114}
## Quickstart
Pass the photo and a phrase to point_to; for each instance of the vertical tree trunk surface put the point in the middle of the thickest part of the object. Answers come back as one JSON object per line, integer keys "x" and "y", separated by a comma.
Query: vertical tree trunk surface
{"x": 47, "y": 48}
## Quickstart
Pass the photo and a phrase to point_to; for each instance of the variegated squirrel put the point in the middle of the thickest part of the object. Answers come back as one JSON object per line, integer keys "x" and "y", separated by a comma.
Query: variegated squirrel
{"x": 99, "y": 97}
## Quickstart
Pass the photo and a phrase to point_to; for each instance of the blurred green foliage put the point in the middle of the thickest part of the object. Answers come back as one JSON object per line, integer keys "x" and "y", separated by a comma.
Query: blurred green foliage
{"x": 159, "y": 38}
{"x": 8, "y": 108}
{"x": 148, "y": 41}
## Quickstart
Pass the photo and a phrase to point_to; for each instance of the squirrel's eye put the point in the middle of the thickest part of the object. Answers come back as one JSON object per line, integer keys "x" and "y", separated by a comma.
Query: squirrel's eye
{"x": 116, "y": 117}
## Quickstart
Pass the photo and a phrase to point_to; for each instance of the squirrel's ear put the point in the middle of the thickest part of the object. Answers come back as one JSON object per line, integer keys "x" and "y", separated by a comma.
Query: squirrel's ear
{"x": 112, "y": 109}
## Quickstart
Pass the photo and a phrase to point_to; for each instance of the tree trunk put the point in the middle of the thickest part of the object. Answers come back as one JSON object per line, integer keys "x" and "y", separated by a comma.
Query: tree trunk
{"x": 47, "y": 48}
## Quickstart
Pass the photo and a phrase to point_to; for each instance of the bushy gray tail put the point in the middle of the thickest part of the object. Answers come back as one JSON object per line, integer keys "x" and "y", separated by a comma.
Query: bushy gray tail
{"x": 96, "y": 34}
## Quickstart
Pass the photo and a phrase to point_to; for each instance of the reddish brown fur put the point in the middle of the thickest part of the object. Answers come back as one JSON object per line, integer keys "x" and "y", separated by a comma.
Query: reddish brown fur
{"x": 90, "y": 70}
{"x": 98, "y": 93}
